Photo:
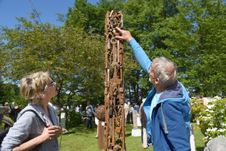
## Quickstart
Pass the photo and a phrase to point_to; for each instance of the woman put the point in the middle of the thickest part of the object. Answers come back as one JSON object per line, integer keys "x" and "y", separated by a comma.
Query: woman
{"x": 37, "y": 126}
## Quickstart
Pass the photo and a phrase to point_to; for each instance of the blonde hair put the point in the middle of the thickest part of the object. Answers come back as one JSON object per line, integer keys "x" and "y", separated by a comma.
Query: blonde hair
{"x": 32, "y": 86}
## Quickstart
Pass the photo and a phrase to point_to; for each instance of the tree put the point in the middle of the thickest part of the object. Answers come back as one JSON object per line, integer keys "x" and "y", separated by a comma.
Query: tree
{"x": 74, "y": 59}
{"x": 90, "y": 17}
{"x": 195, "y": 39}
{"x": 192, "y": 36}
{"x": 191, "y": 33}
{"x": 210, "y": 68}
{"x": 10, "y": 93}
{"x": 141, "y": 19}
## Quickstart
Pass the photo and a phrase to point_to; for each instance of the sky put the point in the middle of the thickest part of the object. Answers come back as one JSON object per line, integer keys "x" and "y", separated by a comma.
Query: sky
{"x": 48, "y": 9}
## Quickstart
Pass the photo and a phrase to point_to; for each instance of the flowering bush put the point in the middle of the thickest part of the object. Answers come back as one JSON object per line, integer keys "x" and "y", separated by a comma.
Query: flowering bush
{"x": 213, "y": 119}
{"x": 197, "y": 107}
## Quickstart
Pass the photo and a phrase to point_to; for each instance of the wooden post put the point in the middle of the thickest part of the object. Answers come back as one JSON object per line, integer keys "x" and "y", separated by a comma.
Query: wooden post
{"x": 114, "y": 85}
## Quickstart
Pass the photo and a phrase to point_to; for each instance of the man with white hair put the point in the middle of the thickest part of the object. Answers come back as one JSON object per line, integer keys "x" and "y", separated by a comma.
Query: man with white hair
{"x": 167, "y": 106}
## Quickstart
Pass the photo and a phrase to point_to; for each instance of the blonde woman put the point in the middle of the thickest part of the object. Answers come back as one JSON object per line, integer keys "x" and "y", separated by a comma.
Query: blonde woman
{"x": 37, "y": 126}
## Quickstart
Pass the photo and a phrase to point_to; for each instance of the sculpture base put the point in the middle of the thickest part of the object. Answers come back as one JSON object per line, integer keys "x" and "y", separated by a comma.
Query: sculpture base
{"x": 136, "y": 132}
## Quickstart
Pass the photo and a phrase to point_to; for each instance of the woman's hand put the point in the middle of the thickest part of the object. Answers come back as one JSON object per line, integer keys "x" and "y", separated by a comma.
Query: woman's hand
{"x": 51, "y": 132}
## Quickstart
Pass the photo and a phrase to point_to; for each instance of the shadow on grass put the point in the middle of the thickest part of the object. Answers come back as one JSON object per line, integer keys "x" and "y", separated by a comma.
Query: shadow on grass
{"x": 128, "y": 134}
{"x": 81, "y": 132}
{"x": 81, "y": 129}
{"x": 199, "y": 148}
{"x": 69, "y": 132}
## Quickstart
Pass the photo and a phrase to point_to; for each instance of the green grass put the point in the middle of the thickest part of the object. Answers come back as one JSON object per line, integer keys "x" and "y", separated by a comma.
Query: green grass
{"x": 199, "y": 142}
{"x": 82, "y": 139}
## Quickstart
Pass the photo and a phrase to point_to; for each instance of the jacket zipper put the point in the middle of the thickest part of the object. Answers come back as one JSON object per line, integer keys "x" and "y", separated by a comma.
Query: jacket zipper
{"x": 164, "y": 121}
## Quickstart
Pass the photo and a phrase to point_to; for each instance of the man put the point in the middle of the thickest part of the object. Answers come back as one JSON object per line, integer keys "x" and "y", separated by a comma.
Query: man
{"x": 143, "y": 125}
{"x": 167, "y": 105}
{"x": 89, "y": 113}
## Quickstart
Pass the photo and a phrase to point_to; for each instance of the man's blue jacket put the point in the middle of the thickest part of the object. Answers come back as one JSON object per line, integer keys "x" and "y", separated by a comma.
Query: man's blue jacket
{"x": 168, "y": 128}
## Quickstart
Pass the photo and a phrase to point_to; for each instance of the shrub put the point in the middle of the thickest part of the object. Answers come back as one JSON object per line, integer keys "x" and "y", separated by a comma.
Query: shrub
{"x": 213, "y": 120}
{"x": 73, "y": 119}
{"x": 197, "y": 107}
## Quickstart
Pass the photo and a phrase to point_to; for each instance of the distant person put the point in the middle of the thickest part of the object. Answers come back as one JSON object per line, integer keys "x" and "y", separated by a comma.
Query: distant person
{"x": 7, "y": 109}
{"x": 14, "y": 111}
{"x": 96, "y": 120}
{"x": 80, "y": 109}
{"x": 126, "y": 109}
{"x": 63, "y": 117}
{"x": 37, "y": 126}
{"x": 167, "y": 105}
{"x": 89, "y": 114}
{"x": 130, "y": 114}
{"x": 143, "y": 120}
{"x": 77, "y": 110}
{"x": 135, "y": 115}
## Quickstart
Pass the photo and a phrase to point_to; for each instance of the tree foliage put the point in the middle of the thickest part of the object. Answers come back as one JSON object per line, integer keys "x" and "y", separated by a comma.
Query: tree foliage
{"x": 191, "y": 33}
{"x": 74, "y": 59}
{"x": 90, "y": 17}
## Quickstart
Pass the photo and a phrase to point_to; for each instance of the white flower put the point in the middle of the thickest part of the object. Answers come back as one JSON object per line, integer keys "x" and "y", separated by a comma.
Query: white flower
{"x": 221, "y": 130}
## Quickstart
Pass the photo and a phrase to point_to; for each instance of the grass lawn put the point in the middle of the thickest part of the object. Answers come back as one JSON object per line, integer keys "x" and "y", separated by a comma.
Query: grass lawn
{"x": 199, "y": 142}
{"x": 81, "y": 139}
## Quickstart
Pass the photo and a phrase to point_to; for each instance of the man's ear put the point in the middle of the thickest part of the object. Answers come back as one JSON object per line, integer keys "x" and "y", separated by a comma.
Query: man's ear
{"x": 156, "y": 81}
